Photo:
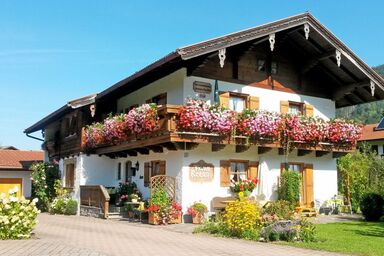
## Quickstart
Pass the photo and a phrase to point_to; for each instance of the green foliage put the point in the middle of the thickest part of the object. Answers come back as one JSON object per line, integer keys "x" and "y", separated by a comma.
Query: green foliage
{"x": 17, "y": 216}
{"x": 199, "y": 207}
{"x": 290, "y": 185}
{"x": 43, "y": 179}
{"x": 160, "y": 198}
{"x": 307, "y": 231}
{"x": 289, "y": 230}
{"x": 127, "y": 188}
{"x": 372, "y": 206}
{"x": 280, "y": 208}
{"x": 63, "y": 203}
{"x": 359, "y": 173}
{"x": 71, "y": 207}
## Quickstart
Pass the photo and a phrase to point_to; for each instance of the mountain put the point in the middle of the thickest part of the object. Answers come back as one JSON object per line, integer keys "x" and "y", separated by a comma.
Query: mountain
{"x": 367, "y": 113}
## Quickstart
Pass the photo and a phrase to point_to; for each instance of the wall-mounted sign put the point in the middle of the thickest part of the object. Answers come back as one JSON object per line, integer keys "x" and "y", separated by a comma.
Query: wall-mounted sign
{"x": 201, "y": 172}
{"x": 202, "y": 87}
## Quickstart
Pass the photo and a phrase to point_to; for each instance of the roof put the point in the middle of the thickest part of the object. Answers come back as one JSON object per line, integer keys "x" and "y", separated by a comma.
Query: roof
{"x": 19, "y": 159}
{"x": 181, "y": 56}
{"x": 8, "y": 147}
{"x": 370, "y": 133}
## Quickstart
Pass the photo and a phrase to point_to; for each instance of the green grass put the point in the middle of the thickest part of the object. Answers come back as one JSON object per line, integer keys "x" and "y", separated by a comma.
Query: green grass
{"x": 357, "y": 237}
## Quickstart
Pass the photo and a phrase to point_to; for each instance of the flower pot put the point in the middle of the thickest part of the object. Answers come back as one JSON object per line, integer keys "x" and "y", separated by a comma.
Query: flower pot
{"x": 153, "y": 219}
{"x": 198, "y": 218}
{"x": 175, "y": 219}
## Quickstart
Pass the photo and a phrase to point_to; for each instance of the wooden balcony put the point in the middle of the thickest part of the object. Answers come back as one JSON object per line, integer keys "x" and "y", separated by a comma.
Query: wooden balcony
{"x": 167, "y": 136}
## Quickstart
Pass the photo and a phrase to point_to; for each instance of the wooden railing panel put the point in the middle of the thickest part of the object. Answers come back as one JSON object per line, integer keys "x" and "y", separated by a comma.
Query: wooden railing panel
{"x": 95, "y": 195}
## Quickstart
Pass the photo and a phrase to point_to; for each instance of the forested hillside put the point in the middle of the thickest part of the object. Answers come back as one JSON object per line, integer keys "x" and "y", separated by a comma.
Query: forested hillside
{"x": 368, "y": 113}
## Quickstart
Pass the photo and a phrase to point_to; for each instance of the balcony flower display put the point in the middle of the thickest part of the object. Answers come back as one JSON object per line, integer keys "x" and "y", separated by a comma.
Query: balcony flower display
{"x": 304, "y": 129}
{"x": 343, "y": 132}
{"x": 115, "y": 129}
{"x": 259, "y": 124}
{"x": 143, "y": 119}
{"x": 94, "y": 135}
{"x": 199, "y": 116}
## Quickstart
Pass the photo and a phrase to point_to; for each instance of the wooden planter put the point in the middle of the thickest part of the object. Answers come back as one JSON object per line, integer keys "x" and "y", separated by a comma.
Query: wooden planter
{"x": 176, "y": 220}
{"x": 153, "y": 219}
{"x": 198, "y": 218}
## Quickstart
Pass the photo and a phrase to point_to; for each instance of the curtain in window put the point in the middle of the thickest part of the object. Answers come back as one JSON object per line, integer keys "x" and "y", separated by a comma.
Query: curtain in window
{"x": 236, "y": 104}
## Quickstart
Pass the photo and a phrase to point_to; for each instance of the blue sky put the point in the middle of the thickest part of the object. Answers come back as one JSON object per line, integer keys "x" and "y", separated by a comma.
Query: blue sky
{"x": 52, "y": 52}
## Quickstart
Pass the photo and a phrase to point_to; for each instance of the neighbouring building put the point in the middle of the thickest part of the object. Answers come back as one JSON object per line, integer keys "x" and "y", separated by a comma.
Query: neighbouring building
{"x": 373, "y": 134}
{"x": 15, "y": 169}
{"x": 291, "y": 66}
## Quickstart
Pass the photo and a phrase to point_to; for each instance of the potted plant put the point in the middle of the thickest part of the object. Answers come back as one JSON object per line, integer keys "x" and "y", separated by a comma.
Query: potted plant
{"x": 154, "y": 214}
{"x": 175, "y": 213}
{"x": 245, "y": 187}
{"x": 197, "y": 210}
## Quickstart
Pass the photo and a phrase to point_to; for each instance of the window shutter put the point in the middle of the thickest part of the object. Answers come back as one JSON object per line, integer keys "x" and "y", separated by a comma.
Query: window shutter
{"x": 225, "y": 178}
{"x": 162, "y": 168}
{"x": 146, "y": 174}
{"x": 253, "y": 170}
{"x": 308, "y": 181}
{"x": 224, "y": 99}
{"x": 253, "y": 102}
{"x": 308, "y": 110}
{"x": 284, "y": 107}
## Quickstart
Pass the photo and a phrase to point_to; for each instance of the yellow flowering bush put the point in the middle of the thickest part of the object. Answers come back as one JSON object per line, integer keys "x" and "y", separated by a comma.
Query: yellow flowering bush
{"x": 17, "y": 216}
{"x": 242, "y": 217}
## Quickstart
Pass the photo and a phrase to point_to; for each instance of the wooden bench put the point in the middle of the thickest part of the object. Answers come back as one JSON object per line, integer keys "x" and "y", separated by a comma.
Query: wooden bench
{"x": 219, "y": 203}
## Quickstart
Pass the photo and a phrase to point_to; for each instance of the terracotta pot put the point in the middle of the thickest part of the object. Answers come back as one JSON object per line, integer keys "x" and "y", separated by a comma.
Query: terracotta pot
{"x": 175, "y": 220}
{"x": 198, "y": 218}
{"x": 153, "y": 219}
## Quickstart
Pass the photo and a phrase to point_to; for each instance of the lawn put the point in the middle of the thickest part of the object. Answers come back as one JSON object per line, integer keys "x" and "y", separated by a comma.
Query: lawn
{"x": 358, "y": 237}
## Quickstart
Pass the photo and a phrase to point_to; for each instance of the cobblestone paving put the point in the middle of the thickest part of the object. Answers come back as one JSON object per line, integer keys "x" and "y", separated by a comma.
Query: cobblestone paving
{"x": 69, "y": 235}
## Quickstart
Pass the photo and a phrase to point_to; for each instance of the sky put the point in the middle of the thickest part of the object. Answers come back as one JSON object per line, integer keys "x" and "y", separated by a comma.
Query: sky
{"x": 54, "y": 51}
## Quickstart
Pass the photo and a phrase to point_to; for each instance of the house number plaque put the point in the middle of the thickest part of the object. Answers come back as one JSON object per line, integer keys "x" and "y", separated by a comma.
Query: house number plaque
{"x": 201, "y": 171}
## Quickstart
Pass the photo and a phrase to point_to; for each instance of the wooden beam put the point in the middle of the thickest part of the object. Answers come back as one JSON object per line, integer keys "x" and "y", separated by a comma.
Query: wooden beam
{"x": 185, "y": 145}
{"x": 317, "y": 47}
{"x": 321, "y": 153}
{"x": 156, "y": 148}
{"x": 314, "y": 61}
{"x": 263, "y": 150}
{"x": 131, "y": 152}
{"x": 143, "y": 151}
{"x": 218, "y": 147}
{"x": 242, "y": 148}
{"x": 303, "y": 152}
{"x": 281, "y": 151}
{"x": 169, "y": 146}
{"x": 338, "y": 154}
{"x": 348, "y": 88}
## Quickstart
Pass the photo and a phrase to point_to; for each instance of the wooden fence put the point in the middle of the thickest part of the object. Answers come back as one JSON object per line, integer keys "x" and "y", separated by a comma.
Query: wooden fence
{"x": 95, "y": 195}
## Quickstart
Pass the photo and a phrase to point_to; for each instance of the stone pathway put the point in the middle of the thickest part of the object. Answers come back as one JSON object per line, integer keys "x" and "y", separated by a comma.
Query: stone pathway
{"x": 70, "y": 235}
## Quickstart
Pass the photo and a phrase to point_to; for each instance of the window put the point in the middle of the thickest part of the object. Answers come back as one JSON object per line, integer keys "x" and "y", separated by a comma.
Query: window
{"x": 128, "y": 171}
{"x": 70, "y": 175}
{"x": 297, "y": 167}
{"x": 160, "y": 99}
{"x": 296, "y": 108}
{"x": 152, "y": 169}
{"x": 238, "y": 170}
{"x": 238, "y": 101}
{"x": 119, "y": 171}
{"x": 261, "y": 65}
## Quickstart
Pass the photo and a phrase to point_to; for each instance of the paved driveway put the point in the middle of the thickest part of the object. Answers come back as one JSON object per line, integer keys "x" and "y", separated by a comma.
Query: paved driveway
{"x": 69, "y": 235}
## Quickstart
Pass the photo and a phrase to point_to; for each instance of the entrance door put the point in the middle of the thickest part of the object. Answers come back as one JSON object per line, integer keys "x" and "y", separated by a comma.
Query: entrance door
{"x": 306, "y": 175}
{"x": 9, "y": 183}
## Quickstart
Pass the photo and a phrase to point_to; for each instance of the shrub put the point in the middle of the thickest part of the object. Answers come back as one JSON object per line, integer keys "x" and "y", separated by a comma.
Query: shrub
{"x": 63, "y": 203}
{"x": 71, "y": 207}
{"x": 242, "y": 217}
{"x": 372, "y": 206}
{"x": 197, "y": 208}
{"x": 17, "y": 216}
{"x": 280, "y": 208}
{"x": 289, "y": 189}
{"x": 289, "y": 230}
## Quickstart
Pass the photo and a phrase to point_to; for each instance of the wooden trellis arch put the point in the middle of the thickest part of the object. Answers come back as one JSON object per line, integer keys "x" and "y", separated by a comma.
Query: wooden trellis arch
{"x": 165, "y": 182}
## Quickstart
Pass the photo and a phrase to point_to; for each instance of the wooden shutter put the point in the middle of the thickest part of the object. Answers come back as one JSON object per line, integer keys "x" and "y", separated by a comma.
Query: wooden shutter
{"x": 253, "y": 102}
{"x": 224, "y": 99}
{"x": 162, "y": 168}
{"x": 253, "y": 169}
{"x": 225, "y": 175}
{"x": 308, "y": 185}
{"x": 146, "y": 174}
{"x": 308, "y": 110}
{"x": 284, "y": 107}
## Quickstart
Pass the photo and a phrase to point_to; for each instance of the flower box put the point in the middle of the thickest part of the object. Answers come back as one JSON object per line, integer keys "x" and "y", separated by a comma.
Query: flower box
{"x": 198, "y": 218}
{"x": 153, "y": 219}
{"x": 176, "y": 220}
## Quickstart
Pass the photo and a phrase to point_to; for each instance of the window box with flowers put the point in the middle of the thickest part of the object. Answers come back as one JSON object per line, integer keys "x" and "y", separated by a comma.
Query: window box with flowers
{"x": 197, "y": 210}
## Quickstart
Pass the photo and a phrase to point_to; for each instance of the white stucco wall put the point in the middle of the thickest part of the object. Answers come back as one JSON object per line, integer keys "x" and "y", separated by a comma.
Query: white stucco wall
{"x": 26, "y": 180}
{"x": 171, "y": 84}
{"x": 269, "y": 99}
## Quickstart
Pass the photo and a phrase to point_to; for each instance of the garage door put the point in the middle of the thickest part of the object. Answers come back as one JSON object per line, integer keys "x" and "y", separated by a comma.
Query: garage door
{"x": 9, "y": 183}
